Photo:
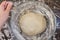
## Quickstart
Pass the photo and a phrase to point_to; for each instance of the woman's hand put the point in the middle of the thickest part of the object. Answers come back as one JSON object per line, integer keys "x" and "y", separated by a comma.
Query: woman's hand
{"x": 5, "y": 8}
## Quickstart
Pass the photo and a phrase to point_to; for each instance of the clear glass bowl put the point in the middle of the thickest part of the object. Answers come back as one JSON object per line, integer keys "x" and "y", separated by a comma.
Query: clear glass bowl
{"x": 38, "y": 7}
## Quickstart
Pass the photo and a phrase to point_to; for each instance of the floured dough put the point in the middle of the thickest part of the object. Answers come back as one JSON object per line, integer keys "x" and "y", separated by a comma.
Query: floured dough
{"x": 32, "y": 23}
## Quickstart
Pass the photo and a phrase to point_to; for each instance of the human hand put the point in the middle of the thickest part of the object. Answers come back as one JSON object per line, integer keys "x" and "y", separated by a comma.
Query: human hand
{"x": 5, "y": 8}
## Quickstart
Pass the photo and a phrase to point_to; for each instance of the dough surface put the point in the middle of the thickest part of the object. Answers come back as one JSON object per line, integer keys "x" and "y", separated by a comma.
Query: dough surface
{"x": 32, "y": 23}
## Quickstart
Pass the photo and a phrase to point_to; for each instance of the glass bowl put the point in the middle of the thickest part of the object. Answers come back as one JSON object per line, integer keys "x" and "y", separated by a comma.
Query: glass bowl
{"x": 38, "y": 7}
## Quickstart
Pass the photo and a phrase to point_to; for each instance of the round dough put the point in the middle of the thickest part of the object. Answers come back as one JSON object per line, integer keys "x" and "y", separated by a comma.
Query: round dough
{"x": 32, "y": 23}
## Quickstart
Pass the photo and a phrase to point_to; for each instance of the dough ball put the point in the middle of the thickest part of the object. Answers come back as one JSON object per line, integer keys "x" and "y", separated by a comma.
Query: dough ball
{"x": 32, "y": 23}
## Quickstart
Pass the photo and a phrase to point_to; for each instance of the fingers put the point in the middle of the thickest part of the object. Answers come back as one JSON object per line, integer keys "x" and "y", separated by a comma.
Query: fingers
{"x": 2, "y": 5}
{"x": 9, "y": 6}
{"x": 5, "y": 5}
